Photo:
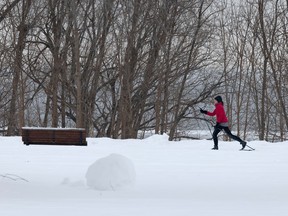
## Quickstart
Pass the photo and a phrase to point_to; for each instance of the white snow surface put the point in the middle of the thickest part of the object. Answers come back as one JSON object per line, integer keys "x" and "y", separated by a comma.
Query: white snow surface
{"x": 114, "y": 172}
{"x": 182, "y": 178}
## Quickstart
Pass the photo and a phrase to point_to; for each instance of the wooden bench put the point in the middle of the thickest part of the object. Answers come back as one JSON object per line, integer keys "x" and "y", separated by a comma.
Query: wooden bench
{"x": 54, "y": 136}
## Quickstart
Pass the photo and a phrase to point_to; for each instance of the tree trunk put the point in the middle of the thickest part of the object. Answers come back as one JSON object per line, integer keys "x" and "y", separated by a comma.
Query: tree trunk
{"x": 13, "y": 127}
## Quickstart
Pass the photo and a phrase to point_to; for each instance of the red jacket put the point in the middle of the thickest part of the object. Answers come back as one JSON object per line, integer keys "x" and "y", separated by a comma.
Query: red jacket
{"x": 220, "y": 113}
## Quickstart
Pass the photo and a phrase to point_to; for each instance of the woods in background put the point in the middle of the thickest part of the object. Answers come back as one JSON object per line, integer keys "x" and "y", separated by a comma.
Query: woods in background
{"x": 117, "y": 67}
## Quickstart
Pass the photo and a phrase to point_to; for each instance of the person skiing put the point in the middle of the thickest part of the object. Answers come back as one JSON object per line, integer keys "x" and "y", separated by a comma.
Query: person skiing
{"x": 221, "y": 123}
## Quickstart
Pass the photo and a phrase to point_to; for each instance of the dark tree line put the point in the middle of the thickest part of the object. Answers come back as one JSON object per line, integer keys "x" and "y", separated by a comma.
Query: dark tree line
{"x": 117, "y": 67}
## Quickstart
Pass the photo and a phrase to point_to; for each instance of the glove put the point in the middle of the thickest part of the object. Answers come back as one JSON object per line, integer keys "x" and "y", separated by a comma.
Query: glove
{"x": 203, "y": 111}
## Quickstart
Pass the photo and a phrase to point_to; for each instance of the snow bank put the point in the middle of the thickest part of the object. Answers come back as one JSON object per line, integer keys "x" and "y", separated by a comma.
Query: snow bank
{"x": 157, "y": 138}
{"x": 113, "y": 172}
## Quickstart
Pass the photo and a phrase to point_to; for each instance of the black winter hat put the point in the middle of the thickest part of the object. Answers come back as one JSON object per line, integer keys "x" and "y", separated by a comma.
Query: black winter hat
{"x": 219, "y": 99}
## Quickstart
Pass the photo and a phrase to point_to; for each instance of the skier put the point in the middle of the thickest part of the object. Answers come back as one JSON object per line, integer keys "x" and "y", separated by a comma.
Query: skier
{"x": 221, "y": 123}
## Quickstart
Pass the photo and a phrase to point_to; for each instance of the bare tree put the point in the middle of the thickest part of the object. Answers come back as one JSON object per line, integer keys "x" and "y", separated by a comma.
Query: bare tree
{"x": 192, "y": 72}
{"x": 8, "y": 9}
{"x": 23, "y": 29}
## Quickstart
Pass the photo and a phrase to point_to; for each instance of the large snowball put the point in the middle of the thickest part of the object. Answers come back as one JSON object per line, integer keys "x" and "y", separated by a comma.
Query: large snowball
{"x": 113, "y": 172}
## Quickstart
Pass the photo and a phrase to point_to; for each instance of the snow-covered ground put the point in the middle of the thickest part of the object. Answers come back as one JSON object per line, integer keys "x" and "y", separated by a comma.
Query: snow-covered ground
{"x": 172, "y": 179}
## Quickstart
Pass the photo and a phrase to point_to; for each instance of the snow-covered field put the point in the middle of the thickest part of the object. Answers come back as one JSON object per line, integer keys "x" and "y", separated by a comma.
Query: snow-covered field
{"x": 181, "y": 178}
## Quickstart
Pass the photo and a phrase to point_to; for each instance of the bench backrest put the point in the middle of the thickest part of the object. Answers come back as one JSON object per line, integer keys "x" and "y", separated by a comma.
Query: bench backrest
{"x": 54, "y": 136}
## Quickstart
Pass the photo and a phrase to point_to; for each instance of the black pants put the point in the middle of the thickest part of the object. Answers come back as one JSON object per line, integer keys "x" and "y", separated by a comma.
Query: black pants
{"x": 217, "y": 130}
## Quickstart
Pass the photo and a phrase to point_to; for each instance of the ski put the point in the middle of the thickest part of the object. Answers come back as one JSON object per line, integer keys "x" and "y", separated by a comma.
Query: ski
{"x": 246, "y": 149}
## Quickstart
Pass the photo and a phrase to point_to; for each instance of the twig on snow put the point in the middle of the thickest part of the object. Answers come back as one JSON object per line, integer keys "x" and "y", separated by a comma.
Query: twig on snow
{"x": 13, "y": 177}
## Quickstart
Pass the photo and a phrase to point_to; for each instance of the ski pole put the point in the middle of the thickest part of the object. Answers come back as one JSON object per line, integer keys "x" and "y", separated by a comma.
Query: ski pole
{"x": 206, "y": 121}
{"x": 250, "y": 147}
